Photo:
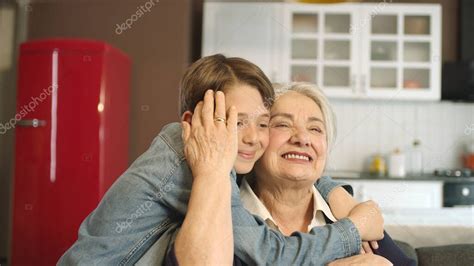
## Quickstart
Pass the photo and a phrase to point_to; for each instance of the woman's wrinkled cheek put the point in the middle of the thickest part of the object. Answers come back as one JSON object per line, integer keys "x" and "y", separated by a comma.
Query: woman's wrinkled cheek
{"x": 320, "y": 146}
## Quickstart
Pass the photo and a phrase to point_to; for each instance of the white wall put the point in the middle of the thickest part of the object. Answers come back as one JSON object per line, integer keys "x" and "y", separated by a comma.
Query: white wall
{"x": 366, "y": 127}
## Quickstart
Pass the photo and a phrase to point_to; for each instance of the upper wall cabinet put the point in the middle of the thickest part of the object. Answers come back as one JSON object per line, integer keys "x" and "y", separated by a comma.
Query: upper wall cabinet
{"x": 249, "y": 30}
{"x": 380, "y": 51}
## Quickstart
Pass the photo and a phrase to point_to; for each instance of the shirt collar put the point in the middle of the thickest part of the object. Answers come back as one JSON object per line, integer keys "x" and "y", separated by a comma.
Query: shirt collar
{"x": 321, "y": 205}
{"x": 253, "y": 204}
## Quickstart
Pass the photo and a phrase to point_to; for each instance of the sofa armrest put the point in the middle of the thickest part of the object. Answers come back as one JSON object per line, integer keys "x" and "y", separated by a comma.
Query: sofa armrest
{"x": 452, "y": 255}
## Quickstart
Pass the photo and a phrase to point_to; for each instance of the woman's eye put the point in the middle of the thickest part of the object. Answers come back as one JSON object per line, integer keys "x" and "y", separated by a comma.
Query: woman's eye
{"x": 281, "y": 125}
{"x": 240, "y": 124}
{"x": 263, "y": 125}
{"x": 316, "y": 129}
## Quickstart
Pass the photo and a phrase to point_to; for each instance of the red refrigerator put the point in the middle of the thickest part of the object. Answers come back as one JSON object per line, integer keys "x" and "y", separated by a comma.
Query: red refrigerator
{"x": 71, "y": 141}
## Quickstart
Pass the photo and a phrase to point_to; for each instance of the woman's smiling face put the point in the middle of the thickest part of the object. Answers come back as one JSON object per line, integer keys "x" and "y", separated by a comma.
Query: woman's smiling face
{"x": 253, "y": 119}
{"x": 298, "y": 145}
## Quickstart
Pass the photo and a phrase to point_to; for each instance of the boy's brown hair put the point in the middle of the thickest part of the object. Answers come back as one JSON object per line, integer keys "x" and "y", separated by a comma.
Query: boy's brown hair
{"x": 218, "y": 73}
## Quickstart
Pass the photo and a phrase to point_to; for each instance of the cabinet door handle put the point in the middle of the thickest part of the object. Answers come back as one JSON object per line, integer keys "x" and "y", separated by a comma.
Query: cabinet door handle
{"x": 354, "y": 84}
{"x": 31, "y": 123}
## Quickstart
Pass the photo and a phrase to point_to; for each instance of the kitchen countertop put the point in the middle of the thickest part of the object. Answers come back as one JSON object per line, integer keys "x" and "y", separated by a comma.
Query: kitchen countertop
{"x": 460, "y": 216}
{"x": 368, "y": 176}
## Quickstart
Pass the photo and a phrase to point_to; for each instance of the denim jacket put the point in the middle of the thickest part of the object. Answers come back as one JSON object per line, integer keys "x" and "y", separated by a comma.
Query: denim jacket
{"x": 145, "y": 207}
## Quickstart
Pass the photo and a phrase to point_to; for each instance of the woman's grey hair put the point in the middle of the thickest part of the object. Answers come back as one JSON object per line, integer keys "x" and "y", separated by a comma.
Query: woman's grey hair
{"x": 313, "y": 92}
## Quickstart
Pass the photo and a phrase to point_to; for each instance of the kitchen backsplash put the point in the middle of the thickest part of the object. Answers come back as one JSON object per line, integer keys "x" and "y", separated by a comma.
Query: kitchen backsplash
{"x": 365, "y": 128}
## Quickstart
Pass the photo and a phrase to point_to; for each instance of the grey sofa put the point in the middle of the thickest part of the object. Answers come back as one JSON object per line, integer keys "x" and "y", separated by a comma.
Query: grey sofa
{"x": 451, "y": 255}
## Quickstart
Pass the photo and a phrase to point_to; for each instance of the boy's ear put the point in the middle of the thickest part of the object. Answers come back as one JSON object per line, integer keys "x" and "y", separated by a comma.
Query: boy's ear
{"x": 187, "y": 116}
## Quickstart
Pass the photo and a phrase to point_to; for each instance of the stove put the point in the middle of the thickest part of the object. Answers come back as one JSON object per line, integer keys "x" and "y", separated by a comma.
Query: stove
{"x": 460, "y": 172}
{"x": 459, "y": 192}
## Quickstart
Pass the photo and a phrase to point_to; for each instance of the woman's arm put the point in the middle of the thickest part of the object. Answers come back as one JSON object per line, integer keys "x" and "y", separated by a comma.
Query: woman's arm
{"x": 206, "y": 234}
{"x": 210, "y": 148}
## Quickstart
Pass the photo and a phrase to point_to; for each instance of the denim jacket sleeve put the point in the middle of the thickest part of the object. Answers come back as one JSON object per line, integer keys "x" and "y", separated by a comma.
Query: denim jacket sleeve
{"x": 325, "y": 185}
{"x": 150, "y": 199}
{"x": 143, "y": 206}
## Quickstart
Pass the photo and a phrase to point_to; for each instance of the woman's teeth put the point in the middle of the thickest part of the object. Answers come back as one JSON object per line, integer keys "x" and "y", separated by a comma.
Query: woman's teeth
{"x": 296, "y": 156}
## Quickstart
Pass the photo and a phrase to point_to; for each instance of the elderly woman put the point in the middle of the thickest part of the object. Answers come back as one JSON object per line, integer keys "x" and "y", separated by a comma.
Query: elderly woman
{"x": 281, "y": 187}
{"x": 281, "y": 190}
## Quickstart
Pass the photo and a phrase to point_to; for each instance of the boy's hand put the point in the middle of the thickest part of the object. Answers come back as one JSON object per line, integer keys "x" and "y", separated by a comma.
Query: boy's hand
{"x": 368, "y": 219}
{"x": 341, "y": 203}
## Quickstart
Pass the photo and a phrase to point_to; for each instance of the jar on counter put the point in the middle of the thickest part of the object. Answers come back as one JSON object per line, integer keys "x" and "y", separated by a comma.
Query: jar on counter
{"x": 378, "y": 166}
{"x": 396, "y": 164}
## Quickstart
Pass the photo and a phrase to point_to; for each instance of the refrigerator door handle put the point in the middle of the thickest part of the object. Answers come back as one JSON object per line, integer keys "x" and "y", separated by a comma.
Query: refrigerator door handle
{"x": 32, "y": 123}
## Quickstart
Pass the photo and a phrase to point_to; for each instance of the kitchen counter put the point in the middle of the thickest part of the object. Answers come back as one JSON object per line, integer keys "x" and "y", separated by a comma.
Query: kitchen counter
{"x": 368, "y": 176}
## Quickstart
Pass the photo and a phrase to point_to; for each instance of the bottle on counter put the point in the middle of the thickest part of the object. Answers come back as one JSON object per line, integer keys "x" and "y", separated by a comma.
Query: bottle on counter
{"x": 415, "y": 159}
{"x": 377, "y": 165}
{"x": 396, "y": 164}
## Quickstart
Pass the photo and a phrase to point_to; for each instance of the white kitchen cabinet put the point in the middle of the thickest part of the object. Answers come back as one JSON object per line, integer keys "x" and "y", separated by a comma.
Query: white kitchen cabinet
{"x": 398, "y": 194}
{"x": 248, "y": 30}
{"x": 380, "y": 50}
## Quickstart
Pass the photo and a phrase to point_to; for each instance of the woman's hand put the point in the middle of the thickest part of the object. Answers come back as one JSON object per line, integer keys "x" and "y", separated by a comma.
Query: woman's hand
{"x": 210, "y": 141}
{"x": 210, "y": 147}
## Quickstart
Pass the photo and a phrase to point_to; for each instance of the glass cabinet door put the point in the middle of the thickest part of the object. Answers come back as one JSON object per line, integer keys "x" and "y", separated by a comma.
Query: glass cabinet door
{"x": 323, "y": 47}
{"x": 304, "y": 52}
{"x": 416, "y": 52}
{"x": 383, "y": 64}
{"x": 401, "y": 59}
{"x": 336, "y": 48}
